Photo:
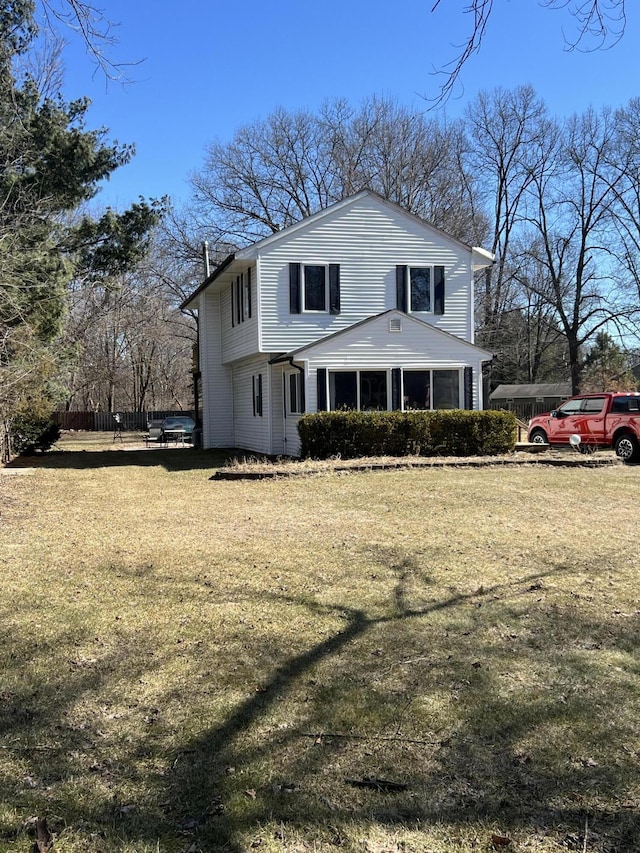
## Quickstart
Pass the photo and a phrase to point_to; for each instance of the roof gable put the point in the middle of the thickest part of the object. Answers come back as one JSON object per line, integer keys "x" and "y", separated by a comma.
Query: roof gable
{"x": 481, "y": 256}
{"x": 354, "y": 331}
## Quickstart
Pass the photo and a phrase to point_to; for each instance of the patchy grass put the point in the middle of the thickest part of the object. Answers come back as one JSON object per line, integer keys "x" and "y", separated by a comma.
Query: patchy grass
{"x": 190, "y": 665}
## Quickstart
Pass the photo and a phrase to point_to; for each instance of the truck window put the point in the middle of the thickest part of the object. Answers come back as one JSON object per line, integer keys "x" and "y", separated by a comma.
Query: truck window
{"x": 571, "y": 407}
{"x": 621, "y": 404}
{"x": 593, "y": 404}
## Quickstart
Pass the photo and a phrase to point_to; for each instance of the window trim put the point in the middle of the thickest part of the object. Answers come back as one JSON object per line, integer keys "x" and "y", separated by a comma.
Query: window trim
{"x": 296, "y": 376}
{"x": 256, "y": 389}
{"x": 437, "y": 288}
{"x": 246, "y": 295}
{"x": 241, "y": 298}
{"x": 413, "y": 310}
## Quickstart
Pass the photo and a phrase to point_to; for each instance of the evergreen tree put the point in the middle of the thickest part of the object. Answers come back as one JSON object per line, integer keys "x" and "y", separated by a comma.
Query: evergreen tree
{"x": 51, "y": 165}
{"x": 606, "y": 367}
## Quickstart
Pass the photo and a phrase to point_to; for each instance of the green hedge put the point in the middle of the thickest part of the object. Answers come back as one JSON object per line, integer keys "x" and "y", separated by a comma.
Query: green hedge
{"x": 349, "y": 435}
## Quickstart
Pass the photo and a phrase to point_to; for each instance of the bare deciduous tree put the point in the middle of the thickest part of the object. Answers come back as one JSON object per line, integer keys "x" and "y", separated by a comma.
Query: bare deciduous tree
{"x": 277, "y": 171}
{"x": 511, "y": 140}
{"x": 599, "y": 24}
{"x": 574, "y": 216}
{"x": 131, "y": 345}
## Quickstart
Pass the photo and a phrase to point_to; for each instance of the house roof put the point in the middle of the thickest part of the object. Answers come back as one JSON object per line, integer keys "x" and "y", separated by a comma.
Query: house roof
{"x": 480, "y": 258}
{"x": 541, "y": 389}
{"x": 296, "y": 354}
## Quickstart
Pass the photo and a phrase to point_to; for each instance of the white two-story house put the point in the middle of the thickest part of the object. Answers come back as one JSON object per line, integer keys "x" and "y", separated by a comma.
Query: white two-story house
{"x": 362, "y": 305}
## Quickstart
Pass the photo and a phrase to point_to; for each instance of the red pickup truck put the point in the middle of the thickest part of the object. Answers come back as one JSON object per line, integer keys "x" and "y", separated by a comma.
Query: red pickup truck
{"x": 600, "y": 420}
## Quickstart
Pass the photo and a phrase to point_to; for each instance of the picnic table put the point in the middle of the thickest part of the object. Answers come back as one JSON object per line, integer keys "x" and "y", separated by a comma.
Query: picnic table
{"x": 175, "y": 433}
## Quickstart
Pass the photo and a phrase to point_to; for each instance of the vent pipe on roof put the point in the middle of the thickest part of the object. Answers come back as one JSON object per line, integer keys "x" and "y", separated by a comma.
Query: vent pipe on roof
{"x": 205, "y": 257}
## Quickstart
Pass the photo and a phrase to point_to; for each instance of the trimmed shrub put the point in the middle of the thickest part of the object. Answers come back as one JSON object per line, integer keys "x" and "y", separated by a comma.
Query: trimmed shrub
{"x": 349, "y": 435}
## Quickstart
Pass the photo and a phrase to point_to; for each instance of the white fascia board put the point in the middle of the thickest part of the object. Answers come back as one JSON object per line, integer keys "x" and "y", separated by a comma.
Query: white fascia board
{"x": 481, "y": 258}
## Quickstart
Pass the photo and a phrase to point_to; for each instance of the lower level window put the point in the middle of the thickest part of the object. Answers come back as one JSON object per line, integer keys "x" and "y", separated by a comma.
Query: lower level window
{"x": 431, "y": 389}
{"x": 365, "y": 390}
{"x": 294, "y": 393}
{"x": 257, "y": 394}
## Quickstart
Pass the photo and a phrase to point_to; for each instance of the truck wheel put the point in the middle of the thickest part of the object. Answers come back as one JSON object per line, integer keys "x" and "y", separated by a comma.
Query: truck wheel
{"x": 626, "y": 447}
{"x": 538, "y": 436}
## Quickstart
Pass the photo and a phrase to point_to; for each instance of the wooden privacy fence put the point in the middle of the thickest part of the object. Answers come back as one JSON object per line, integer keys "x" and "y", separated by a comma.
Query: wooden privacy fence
{"x": 525, "y": 409}
{"x": 104, "y": 422}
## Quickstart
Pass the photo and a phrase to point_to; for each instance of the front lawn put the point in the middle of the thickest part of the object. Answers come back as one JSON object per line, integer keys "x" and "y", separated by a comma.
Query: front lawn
{"x": 422, "y": 660}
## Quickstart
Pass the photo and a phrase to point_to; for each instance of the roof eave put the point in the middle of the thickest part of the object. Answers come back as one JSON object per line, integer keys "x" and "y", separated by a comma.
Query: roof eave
{"x": 214, "y": 275}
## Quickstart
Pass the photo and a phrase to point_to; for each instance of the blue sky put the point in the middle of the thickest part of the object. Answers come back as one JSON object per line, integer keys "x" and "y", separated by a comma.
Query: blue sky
{"x": 207, "y": 67}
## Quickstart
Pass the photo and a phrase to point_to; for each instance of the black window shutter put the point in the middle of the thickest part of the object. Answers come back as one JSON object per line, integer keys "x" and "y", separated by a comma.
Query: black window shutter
{"x": 438, "y": 290}
{"x": 233, "y": 305}
{"x": 294, "y": 289}
{"x": 253, "y": 395}
{"x": 468, "y": 387}
{"x": 396, "y": 384}
{"x": 402, "y": 294}
{"x": 334, "y": 288}
{"x": 322, "y": 389}
{"x": 249, "y": 294}
{"x": 260, "y": 394}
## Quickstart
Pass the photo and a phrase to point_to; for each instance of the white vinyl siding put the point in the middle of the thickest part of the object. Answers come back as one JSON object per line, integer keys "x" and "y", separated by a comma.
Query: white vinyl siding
{"x": 217, "y": 390}
{"x": 285, "y": 438}
{"x": 372, "y": 346}
{"x": 251, "y": 432}
{"x": 239, "y": 339}
{"x": 368, "y": 240}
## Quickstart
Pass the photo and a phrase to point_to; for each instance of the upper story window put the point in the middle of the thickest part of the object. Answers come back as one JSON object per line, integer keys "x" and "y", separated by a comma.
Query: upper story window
{"x": 241, "y": 298}
{"x": 420, "y": 292}
{"x": 420, "y": 289}
{"x": 314, "y": 288}
{"x": 315, "y": 294}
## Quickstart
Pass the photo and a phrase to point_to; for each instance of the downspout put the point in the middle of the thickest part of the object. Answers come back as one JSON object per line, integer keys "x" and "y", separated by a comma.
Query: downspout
{"x": 282, "y": 358}
{"x": 303, "y": 391}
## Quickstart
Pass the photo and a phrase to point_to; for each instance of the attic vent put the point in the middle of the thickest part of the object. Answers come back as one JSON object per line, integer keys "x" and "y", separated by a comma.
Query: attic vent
{"x": 395, "y": 324}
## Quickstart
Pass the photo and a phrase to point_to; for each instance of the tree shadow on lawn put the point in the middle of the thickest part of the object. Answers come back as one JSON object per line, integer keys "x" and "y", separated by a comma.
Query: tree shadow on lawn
{"x": 535, "y": 761}
{"x": 529, "y": 756}
{"x": 171, "y": 459}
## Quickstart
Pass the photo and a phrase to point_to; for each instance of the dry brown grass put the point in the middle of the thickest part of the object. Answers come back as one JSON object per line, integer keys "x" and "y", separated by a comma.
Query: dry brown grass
{"x": 197, "y": 665}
